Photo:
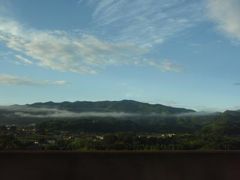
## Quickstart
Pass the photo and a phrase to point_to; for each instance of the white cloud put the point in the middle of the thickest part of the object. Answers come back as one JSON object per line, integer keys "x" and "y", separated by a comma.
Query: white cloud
{"x": 60, "y": 82}
{"x": 130, "y": 31}
{"x": 226, "y": 13}
{"x": 6, "y": 79}
{"x": 58, "y": 50}
{"x": 166, "y": 66}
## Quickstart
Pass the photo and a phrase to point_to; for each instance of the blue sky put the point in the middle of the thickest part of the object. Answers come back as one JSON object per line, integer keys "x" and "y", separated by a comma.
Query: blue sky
{"x": 183, "y": 53}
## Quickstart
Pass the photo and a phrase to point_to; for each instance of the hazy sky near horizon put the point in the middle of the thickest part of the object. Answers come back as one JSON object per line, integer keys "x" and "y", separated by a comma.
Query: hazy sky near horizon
{"x": 183, "y": 53}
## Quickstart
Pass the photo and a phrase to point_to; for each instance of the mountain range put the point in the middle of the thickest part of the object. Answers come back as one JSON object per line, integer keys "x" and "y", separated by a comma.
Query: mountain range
{"x": 127, "y": 106}
{"x": 125, "y": 115}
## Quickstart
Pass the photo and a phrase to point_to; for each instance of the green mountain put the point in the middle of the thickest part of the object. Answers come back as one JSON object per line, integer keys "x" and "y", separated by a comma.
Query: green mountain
{"x": 227, "y": 123}
{"x": 118, "y": 116}
{"x": 127, "y": 106}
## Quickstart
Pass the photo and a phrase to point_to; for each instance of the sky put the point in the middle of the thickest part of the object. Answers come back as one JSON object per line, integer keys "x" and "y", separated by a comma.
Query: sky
{"x": 182, "y": 53}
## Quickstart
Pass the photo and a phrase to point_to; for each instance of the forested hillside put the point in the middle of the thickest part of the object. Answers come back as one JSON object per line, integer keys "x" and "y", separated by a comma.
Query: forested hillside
{"x": 123, "y": 125}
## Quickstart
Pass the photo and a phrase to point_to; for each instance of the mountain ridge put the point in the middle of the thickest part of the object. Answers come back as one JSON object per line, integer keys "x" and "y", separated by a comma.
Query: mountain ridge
{"x": 130, "y": 106}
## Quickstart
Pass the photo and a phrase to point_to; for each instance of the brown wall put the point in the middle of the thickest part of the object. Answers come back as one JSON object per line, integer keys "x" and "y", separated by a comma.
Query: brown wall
{"x": 120, "y": 166}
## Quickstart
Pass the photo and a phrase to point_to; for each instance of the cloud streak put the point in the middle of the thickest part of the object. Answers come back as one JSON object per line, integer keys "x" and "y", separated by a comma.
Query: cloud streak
{"x": 32, "y": 112}
{"x": 23, "y": 60}
{"x": 166, "y": 66}
{"x": 144, "y": 22}
{"x": 6, "y": 79}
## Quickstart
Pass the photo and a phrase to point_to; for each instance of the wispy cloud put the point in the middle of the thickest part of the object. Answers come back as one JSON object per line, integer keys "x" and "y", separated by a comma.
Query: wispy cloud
{"x": 23, "y": 59}
{"x": 166, "y": 66}
{"x": 237, "y": 84}
{"x": 226, "y": 13}
{"x": 58, "y": 50}
{"x": 126, "y": 33}
{"x": 6, "y": 79}
{"x": 145, "y": 22}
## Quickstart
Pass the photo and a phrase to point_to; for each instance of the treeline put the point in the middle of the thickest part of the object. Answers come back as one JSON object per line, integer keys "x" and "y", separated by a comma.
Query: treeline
{"x": 139, "y": 124}
{"x": 120, "y": 142}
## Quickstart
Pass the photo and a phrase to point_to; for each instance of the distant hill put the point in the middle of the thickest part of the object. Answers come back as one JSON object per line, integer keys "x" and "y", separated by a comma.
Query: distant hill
{"x": 118, "y": 116}
{"x": 128, "y": 106}
{"x": 226, "y": 123}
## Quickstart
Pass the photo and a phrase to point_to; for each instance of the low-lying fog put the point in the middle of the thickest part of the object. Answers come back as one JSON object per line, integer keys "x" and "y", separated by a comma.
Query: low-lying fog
{"x": 26, "y": 111}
